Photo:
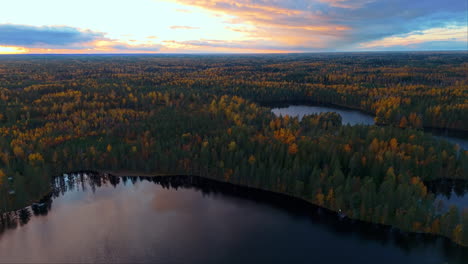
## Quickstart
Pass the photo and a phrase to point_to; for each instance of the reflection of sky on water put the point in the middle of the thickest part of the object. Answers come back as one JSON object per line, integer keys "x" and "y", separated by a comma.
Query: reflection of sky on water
{"x": 144, "y": 222}
{"x": 350, "y": 117}
{"x": 461, "y": 201}
{"x": 463, "y": 143}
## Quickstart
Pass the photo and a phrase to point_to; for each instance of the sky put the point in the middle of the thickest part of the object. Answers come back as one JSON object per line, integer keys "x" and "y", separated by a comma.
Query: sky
{"x": 228, "y": 26}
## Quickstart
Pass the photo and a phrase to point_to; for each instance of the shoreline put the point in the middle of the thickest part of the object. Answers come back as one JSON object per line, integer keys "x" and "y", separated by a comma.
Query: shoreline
{"x": 241, "y": 188}
{"x": 131, "y": 173}
{"x": 437, "y": 131}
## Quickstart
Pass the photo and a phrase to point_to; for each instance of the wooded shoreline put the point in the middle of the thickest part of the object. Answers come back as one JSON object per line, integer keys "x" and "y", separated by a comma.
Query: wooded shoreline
{"x": 252, "y": 192}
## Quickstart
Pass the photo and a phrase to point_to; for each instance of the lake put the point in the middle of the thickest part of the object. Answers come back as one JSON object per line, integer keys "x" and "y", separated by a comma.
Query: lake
{"x": 92, "y": 218}
{"x": 449, "y": 193}
{"x": 353, "y": 117}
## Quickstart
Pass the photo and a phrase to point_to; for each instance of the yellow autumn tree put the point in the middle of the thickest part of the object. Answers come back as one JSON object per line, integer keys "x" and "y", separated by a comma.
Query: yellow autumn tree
{"x": 403, "y": 122}
{"x": 35, "y": 158}
{"x": 393, "y": 144}
{"x": 320, "y": 198}
{"x": 347, "y": 148}
{"x": 252, "y": 159}
{"x": 435, "y": 226}
{"x": 330, "y": 196}
{"x": 374, "y": 147}
{"x": 232, "y": 146}
{"x": 457, "y": 233}
{"x": 18, "y": 151}
{"x": 292, "y": 149}
{"x": 2, "y": 176}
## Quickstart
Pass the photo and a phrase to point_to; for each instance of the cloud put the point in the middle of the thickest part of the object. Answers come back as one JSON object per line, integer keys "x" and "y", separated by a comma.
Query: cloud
{"x": 62, "y": 39}
{"x": 183, "y": 10}
{"x": 11, "y": 50}
{"x": 98, "y": 47}
{"x": 184, "y": 27}
{"x": 234, "y": 46}
{"x": 347, "y": 3}
{"x": 434, "y": 38}
{"x": 133, "y": 48}
{"x": 332, "y": 24}
{"x": 30, "y": 36}
{"x": 257, "y": 25}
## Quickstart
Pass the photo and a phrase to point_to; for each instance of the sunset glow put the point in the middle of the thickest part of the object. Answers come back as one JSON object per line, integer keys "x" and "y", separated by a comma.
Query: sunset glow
{"x": 11, "y": 50}
{"x": 244, "y": 26}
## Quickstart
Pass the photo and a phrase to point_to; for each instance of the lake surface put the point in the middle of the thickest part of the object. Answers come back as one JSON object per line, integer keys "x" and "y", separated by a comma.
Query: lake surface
{"x": 352, "y": 117}
{"x": 185, "y": 220}
{"x": 450, "y": 193}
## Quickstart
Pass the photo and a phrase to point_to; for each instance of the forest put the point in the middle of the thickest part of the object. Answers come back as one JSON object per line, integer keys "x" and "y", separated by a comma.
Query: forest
{"x": 208, "y": 116}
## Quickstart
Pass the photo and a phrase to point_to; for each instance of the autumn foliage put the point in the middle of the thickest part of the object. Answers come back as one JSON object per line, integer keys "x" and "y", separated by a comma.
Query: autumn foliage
{"x": 204, "y": 116}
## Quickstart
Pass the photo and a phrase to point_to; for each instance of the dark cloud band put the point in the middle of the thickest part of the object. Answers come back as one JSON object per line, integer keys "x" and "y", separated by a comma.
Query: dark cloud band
{"x": 30, "y": 36}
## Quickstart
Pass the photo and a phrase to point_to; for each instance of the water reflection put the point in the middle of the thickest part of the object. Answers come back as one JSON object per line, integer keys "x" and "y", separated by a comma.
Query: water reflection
{"x": 351, "y": 117}
{"x": 453, "y": 137}
{"x": 354, "y": 117}
{"x": 183, "y": 219}
{"x": 449, "y": 192}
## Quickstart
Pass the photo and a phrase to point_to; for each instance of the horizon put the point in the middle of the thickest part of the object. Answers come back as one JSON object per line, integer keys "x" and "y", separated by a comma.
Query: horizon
{"x": 236, "y": 53}
{"x": 228, "y": 27}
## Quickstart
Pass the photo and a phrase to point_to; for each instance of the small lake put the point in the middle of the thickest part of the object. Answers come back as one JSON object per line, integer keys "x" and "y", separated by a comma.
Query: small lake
{"x": 353, "y": 117}
{"x": 190, "y": 220}
{"x": 349, "y": 117}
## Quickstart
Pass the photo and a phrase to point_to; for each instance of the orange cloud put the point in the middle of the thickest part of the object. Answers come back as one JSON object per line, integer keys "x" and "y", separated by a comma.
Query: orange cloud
{"x": 347, "y": 3}
{"x": 276, "y": 24}
{"x": 184, "y": 27}
{"x": 217, "y": 46}
{"x": 95, "y": 47}
{"x": 239, "y": 26}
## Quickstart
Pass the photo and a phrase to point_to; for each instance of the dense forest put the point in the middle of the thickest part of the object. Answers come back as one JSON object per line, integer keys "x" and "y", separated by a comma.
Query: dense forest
{"x": 203, "y": 115}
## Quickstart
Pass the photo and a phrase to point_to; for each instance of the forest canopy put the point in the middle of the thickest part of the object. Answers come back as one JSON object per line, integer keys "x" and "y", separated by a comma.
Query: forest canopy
{"x": 205, "y": 115}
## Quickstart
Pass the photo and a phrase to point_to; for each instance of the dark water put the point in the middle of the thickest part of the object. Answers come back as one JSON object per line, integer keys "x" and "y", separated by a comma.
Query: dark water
{"x": 185, "y": 220}
{"x": 462, "y": 142}
{"x": 354, "y": 117}
{"x": 450, "y": 193}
